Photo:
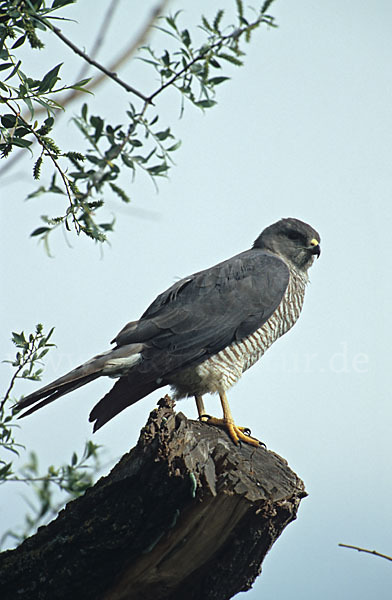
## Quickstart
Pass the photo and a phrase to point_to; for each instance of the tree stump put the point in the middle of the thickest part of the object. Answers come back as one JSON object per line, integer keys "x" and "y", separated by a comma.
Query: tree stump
{"x": 185, "y": 514}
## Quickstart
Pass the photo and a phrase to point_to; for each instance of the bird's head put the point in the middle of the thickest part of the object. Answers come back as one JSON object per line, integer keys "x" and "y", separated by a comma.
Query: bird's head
{"x": 293, "y": 240}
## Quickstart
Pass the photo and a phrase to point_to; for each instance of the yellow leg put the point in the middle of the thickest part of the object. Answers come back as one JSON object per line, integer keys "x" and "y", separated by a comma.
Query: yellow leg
{"x": 200, "y": 406}
{"x": 236, "y": 433}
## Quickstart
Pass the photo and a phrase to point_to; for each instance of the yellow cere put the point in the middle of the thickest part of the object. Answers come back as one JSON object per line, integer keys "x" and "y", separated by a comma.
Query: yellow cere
{"x": 314, "y": 242}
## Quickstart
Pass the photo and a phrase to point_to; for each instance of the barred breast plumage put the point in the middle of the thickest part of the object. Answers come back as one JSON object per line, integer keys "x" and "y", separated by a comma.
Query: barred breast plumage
{"x": 221, "y": 371}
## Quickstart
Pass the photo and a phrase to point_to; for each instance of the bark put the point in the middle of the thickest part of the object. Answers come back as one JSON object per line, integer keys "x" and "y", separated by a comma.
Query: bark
{"x": 185, "y": 514}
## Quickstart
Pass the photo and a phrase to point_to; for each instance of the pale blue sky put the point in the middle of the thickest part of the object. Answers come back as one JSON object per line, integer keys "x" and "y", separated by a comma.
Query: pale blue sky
{"x": 303, "y": 130}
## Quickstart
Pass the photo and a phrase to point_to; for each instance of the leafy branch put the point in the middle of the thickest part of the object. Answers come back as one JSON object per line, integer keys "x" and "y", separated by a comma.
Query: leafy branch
{"x": 33, "y": 349}
{"x": 58, "y": 484}
{"x": 27, "y": 364}
{"x": 53, "y": 489}
{"x": 215, "y": 47}
{"x": 194, "y": 69}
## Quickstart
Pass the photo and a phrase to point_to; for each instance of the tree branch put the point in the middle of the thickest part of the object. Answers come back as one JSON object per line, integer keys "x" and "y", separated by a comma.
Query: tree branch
{"x": 90, "y": 60}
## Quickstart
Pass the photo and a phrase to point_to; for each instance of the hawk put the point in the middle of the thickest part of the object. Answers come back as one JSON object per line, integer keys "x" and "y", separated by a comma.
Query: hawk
{"x": 201, "y": 334}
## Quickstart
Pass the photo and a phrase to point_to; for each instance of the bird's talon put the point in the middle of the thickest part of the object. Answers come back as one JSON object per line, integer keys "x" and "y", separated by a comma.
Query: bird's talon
{"x": 237, "y": 434}
{"x": 205, "y": 418}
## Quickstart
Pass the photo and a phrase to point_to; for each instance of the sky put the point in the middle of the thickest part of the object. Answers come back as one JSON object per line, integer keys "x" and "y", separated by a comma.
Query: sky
{"x": 304, "y": 129}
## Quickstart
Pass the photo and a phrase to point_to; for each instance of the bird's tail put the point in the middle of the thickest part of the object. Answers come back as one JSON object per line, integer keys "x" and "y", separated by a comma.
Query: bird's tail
{"x": 113, "y": 363}
{"x": 125, "y": 392}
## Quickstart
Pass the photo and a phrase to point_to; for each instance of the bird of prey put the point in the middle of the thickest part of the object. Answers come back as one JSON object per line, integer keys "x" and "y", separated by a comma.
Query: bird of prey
{"x": 201, "y": 334}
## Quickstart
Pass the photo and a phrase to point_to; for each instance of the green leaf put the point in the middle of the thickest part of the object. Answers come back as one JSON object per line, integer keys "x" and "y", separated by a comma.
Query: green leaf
{"x": 84, "y": 111}
{"x": 214, "y": 63}
{"x": 98, "y": 124}
{"x": 217, "y": 80}
{"x": 29, "y": 105}
{"x": 186, "y": 38}
{"x": 232, "y": 59}
{"x": 162, "y": 135}
{"x": 50, "y": 79}
{"x": 8, "y": 120}
{"x": 38, "y": 192}
{"x": 21, "y": 131}
{"x": 171, "y": 20}
{"x": 266, "y": 6}
{"x": 19, "y": 42}
{"x": 166, "y": 58}
{"x": 205, "y": 103}
{"x": 127, "y": 160}
{"x": 81, "y": 83}
{"x": 206, "y": 23}
{"x": 107, "y": 226}
{"x": 174, "y": 147}
{"x": 158, "y": 169}
{"x": 6, "y": 470}
{"x": 39, "y": 231}
{"x": 95, "y": 160}
{"x": 19, "y": 339}
{"x": 21, "y": 142}
{"x": 60, "y": 3}
{"x": 217, "y": 20}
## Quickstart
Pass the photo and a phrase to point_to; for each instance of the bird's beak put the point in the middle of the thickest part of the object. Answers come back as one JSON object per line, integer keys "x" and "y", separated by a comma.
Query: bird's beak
{"x": 315, "y": 247}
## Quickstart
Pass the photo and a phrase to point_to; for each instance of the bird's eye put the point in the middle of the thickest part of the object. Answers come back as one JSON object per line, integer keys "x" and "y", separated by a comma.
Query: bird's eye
{"x": 294, "y": 235}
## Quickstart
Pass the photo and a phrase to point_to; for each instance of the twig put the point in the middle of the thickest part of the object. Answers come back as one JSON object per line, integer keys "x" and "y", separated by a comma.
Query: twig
{"x": 15, "y": 377}
{"x": 58, "y": 479}
{"x": 42, "y": 143}
{"x": 368, "y": 551}
{"x": 90, "y": 60}
{"x": 125, "y": 55}
{"x": 141, "y": 38}
{"x": 11, "y": 385}
{"x": 103, "y": 30}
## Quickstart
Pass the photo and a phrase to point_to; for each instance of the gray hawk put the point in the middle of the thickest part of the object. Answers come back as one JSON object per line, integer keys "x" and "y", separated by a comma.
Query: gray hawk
{"x": 201, "y": 334}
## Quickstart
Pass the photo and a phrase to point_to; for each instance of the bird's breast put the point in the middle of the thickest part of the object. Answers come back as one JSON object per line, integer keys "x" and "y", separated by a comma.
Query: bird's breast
{"x": 222, "y": 370}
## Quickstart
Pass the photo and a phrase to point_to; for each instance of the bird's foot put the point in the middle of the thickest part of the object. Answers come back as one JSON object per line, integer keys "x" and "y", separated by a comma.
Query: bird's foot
{"x": 237, "y": 434}
{"x": 205, "y": 418}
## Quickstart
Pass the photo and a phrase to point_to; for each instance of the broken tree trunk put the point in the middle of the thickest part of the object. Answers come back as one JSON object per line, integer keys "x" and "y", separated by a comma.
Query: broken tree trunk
{"x": 185, "y": 514}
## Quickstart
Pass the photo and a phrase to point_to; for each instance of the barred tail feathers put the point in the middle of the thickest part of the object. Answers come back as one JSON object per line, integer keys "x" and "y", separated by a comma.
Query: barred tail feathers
{"x": 113, "y": 363}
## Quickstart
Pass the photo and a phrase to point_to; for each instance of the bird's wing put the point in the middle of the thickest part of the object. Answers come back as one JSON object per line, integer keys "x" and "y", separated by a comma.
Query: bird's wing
{"x": 202, "y": 314}
{"x": 195, "y": 318}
